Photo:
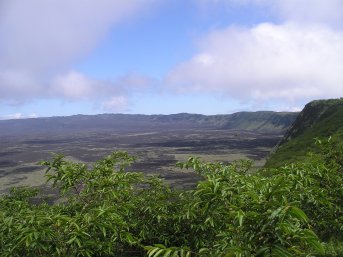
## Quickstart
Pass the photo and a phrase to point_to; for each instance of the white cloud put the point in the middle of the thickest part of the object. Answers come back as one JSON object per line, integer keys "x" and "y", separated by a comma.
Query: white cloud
{"x": 296, "y": 57}
{"x": 40, "y": 34}
{"x": 41, "y": 39}
{"x": 309, "y": 11}
{"x": 16, "y": 85}
{"x": 113, "y": 94}
{"x": 75, "y": 85}
{"x": 314, "y": 11}
{"x": 287, "y": 62}
{"x": 116, "y": 103}
{"x": 16, "y": 116}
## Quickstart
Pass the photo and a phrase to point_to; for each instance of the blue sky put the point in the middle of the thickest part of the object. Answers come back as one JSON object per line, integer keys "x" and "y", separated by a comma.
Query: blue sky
{"x": 65, "y": 57}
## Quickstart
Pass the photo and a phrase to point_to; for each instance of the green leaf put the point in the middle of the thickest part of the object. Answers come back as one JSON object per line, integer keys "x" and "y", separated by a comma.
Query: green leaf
{"x": 167, "y": 253}
{"x": 71, "y": 240}
{"x": 161, "y": 246}
{"x": 311, "y": 239}
{"x": 262, "y": 251}
{"x": 158, "y": 252}
{"x": 152, "y": 251}
{"x": 203, "y": 250}
{"x": 280, "y": 251}
{"x": 297, "y": 213}
{"x": 240, "y": 216}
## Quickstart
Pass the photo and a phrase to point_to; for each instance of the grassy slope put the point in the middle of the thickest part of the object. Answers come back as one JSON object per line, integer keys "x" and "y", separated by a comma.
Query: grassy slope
{"x": 261, "y": 121}
{"x": 319, "y": 119}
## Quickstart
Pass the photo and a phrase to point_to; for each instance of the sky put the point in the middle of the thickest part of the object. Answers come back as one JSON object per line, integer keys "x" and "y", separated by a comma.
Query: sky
{"x": 67, "y": 57}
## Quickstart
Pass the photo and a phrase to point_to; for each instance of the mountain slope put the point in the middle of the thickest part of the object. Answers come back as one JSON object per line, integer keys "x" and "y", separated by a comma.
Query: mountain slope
{"x": 271, "y": 122}
{"x": 318, "y": 119}
{"x": 261, "y": 121}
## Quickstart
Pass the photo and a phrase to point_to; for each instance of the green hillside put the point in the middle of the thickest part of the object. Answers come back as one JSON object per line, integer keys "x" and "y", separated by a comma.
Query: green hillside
{"x": 260, "y": 121}
{"x": 318, "y": 119}
{"x": 265, "y": 121}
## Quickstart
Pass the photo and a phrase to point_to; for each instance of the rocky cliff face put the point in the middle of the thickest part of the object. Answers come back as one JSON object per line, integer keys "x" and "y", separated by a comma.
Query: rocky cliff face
{"x": 318, "y": 119}
{"x": 312, "y": 115}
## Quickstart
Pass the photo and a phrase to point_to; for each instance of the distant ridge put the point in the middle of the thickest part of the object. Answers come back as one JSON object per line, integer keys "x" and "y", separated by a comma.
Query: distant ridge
{"x": 318, "y": 119}
{"x": 262, "y": 121}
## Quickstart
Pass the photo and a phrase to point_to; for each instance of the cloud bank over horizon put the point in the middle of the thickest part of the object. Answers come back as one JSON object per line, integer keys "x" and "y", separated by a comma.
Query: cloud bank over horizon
{"x": 266, "y": 62}
{"x": 41, "y": 40}
{"x": 295, "y": 60}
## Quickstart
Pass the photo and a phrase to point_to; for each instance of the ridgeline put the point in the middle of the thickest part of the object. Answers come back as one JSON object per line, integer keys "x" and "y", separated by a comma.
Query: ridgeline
{"x": 262, "y": 121}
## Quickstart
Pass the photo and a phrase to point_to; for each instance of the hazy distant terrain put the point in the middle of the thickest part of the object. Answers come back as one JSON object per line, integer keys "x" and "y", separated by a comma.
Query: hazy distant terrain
{"x": 158, "y": 141}
{"x": 262, "y": 121}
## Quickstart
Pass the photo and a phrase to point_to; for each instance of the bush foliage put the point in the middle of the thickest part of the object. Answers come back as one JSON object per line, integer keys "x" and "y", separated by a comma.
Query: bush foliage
{"x": 295, "y": 210}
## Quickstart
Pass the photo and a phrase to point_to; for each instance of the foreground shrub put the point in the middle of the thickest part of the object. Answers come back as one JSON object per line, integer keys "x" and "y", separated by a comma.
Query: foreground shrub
{"x": 107, "y": 211}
